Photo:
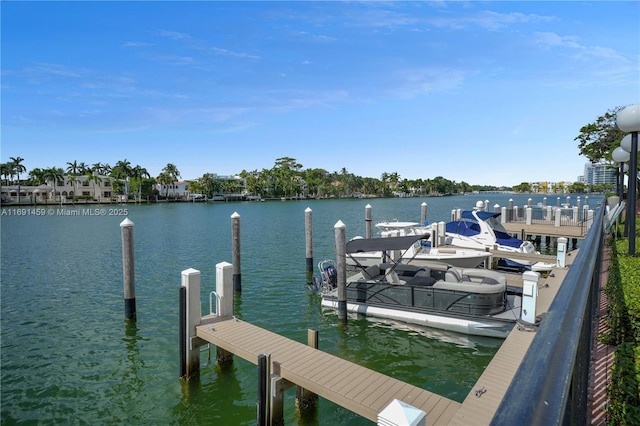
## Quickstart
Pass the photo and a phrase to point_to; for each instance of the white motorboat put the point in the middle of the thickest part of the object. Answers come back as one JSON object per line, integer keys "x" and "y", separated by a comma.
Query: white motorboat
{"x": 466, "y": 300}
{"x": 482, "y": 230}
{"x": 421, "y": 252}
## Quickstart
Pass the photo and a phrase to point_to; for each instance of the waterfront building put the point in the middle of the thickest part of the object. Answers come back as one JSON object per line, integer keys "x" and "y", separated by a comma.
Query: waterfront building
{"x": 89, "y": 187}
{"x": 599, "y": 174}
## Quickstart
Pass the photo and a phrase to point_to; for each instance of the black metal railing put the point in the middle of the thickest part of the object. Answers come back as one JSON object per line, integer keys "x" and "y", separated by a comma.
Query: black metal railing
{"x": 550, "y": 386}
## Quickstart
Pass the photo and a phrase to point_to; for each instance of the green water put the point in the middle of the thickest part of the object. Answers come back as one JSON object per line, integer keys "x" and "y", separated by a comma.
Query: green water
{"x": 69, "y": 357}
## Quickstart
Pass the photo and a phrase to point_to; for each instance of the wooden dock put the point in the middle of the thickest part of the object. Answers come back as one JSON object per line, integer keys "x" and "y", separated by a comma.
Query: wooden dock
{"x": 359, "y": 389}
{"x": 483, "y": 400}
{"x": 549, "y": 230}
{"x": 366, "y": 392}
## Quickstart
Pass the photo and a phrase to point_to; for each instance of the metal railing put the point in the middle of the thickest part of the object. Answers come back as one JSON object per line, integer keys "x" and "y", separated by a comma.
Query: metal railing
{"x": 550, "y": 386}
{"x": 571, "y": 216}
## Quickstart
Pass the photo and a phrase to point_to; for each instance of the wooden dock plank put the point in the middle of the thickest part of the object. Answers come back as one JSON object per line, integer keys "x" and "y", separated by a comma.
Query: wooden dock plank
{"x": 356, "y": 388}
{"x": 496, "y": 378}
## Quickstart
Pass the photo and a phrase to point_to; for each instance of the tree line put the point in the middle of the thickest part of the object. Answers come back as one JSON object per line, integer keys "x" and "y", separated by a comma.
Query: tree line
{"x": 288, "y": 178}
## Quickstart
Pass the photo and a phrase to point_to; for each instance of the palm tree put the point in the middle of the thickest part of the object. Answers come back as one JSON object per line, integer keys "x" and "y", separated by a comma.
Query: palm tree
{"x": 36, "y": 176}
{"x": 17, "y": 169}
{"x": 172, "y": 171}
{"x": 123, "y": 171}
{"x": 6, "y": 170}
{"x": 139, "y": 173}
{"x": 73, "y": 180}
{"x": 72, "y": 168}
{"x": 82, "y": 168}
{"x": 53, "y": 174}
{"x": 91, "y": 177}
{"x": 165, "y": 179}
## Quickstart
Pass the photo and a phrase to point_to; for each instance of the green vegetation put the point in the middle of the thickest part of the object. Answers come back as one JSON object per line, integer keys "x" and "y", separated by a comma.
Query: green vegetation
{"x": 288, "y": 178}
{"x": 623, "y": 292}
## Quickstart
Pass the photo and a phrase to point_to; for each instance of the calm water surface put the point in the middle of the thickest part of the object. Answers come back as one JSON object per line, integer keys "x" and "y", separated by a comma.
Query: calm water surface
{"x": 68, "y": 356}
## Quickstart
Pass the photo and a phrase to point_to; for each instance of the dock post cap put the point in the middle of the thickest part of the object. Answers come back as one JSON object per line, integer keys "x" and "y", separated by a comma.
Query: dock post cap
{"x": 235, "y": 215}
{"x": 401, "y": 413}
{"x": 531, "y": 276}
{"x": 126, "y": 223}
{"x": 339, "y": 224}
{"x": 307, "y": 210}
{"x": 190, "y": 271}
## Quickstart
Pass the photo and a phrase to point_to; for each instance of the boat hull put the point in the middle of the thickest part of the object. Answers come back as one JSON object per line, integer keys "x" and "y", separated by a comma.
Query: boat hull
{"x": 486, "y": 326}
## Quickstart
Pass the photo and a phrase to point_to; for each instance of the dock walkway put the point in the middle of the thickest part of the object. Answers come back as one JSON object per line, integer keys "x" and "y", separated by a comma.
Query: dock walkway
{"x": 483, "y": 400}
{"x": 350, "y": 385}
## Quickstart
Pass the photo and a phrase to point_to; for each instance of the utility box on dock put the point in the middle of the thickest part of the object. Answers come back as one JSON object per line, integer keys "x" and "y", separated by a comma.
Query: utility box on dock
{"x": 529, "y": 296}
{"x": 561, "y": 256}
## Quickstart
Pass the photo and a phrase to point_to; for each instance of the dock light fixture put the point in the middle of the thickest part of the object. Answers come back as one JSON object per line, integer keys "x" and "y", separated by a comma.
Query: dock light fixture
{"x": 620, "y": 156}
{"x": 628, "y": 120}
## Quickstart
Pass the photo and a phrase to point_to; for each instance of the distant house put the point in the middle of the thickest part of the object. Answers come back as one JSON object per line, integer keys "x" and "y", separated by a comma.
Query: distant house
{"x": 98, "y": 188}
{"x": 174, "y": 190}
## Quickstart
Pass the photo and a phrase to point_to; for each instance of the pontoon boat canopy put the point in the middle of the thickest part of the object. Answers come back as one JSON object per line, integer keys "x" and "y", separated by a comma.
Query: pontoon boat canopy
{"x": 378, "y": 244}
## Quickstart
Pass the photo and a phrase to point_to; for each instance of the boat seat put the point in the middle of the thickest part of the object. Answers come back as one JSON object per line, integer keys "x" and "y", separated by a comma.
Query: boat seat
{"x": 392, "y": 277}
{"x": 422, "y": 278}
{"x": 452, "y": 276}
{"x": 371, "y": 272}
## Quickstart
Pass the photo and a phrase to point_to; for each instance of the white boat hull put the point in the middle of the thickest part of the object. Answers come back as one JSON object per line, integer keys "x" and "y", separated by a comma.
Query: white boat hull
{"x": 478, "y": 327}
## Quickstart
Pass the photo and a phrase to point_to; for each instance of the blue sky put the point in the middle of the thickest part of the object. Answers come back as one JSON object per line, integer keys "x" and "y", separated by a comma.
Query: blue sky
{"x": 490, "y": 93}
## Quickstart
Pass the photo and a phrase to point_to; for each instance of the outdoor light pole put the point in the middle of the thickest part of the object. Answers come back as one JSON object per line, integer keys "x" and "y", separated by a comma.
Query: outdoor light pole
{"x": 628, "y": 120}
{"x": 621, "y": 156}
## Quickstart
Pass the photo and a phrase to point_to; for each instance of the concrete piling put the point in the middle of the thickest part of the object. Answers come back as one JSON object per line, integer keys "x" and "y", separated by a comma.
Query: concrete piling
{"x": 191, "y": 313}
{"x": 423, "y": 213}
{"x": 128, "y": 270}
{"x": 367, "y": 221}
{"x": 308, "y": 234}
{"x": 341, "y": 265}
{"x": 235, "y": 252}
{"x": 306, "y": 400}
{"x": 264, "y": 389}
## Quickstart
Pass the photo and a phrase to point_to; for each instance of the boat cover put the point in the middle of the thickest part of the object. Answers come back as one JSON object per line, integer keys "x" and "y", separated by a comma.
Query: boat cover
{"x": 379, "y": 244}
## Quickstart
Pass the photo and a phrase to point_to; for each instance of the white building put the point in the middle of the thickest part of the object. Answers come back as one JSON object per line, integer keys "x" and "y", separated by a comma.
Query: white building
{"x": 95, "y": 188}
{"x": 174, "y": 190}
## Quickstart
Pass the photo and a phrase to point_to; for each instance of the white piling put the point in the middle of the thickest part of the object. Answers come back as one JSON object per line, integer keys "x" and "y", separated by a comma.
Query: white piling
{"x": 193, "y": 314}
{"x": 341, "y": 266}
{"x": 367, "y": 221}
{"x": 224, "y": 289}
{"x": 235, "y": 252}
{"x": 308, "y": 233}
{"x": 128, "y": 270}
{"x": 423, "y": 213}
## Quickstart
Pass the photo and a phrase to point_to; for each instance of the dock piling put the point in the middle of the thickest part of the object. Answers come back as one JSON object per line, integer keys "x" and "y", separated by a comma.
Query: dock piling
{"x": 367, "y": 221}
{"x": 341, "y": 266}
{"x": 308, "y": 233}
{"x": 264, "y": 385}
{"x": 224, "y": 308}
{"x": 128, "y": 270}
{"x": 306, "y": 400}
{"x": 423, "y": 213}
{"x": 235, "y": 252}
{"x": 190, "y": 315}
